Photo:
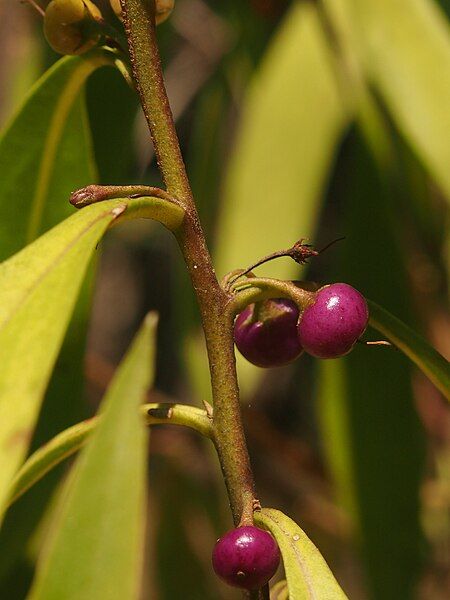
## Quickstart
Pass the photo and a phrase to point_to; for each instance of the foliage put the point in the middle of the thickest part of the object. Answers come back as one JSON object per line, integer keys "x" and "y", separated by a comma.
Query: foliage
{"x": 340, "y": 126}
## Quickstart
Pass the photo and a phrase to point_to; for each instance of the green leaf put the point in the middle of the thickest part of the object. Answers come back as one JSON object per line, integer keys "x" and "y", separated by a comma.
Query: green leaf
{"x": 187, "y": 508}
{"x": 292, "y": 120}
{"x": 96, "y": 546}
{"x": 39, "y": 286}
{"x": 51, "y": 122}
{"x": 285, "y": 148}
{"x": 410, "y": 66}
{"x": 429, "y": 361}
{"x": 279, "y": 591}
{"x": 112, "y": 125}
{"x": 370, "y": 429}
{"x": 307, "y": 574}
{"x": 45, "y": 153}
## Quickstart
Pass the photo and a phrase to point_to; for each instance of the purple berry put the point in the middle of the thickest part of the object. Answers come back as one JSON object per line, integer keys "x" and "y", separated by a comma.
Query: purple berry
{"x": 246, "y": 557}
{"x": 331, "y": 326}
{"x": 266, "y": 333}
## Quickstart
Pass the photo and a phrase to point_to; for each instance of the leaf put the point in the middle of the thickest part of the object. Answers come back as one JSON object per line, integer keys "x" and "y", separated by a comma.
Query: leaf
{"x": 38, "y": 288}
{"x": 96, "y": 546}
{"x": 410, "y": 67}
{"x": 285, "y": 147}
{"x": 292, "y": 120}
{"x": 279, "y": 591}
{"x": 56, "y": 102}
{"x": 112, "y": 124}
{"x": 187, "y": 510}
{"x": 307, "y": 573}
{"x": 45, "y": 153}
{"x": 433, "y": 364}
{"x": 371, "y": 432}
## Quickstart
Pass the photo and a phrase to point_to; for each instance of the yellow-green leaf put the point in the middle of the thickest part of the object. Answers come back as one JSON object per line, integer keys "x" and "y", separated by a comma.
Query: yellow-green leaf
{"x": 308, "y": 575}
{"x": 405, "y": 46}
{"x": 427, "y": 358}
{"x": 38, "y": 289}
{"x": 292, "y": 120}
{"x": 45, "y": 153}
{"x": 96, "y": 546}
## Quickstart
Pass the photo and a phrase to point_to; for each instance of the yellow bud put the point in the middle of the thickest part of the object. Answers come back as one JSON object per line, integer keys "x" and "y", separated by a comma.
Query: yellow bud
{"x": 70, "y": 25}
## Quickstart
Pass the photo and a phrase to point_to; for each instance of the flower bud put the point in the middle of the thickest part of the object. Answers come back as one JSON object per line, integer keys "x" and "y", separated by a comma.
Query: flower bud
{"x": 71, "y": 26}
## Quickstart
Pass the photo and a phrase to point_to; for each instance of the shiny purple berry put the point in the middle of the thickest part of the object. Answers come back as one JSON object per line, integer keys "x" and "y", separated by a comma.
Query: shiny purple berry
{"x": 246, "y": 557}
{"x": 331, "y": 326}
{"x": 266, "y": 333}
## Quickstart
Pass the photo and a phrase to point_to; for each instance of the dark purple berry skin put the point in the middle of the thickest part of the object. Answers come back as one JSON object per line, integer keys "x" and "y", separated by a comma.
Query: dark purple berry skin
{"x": 266, "y": 333}
{"x": 331, "y": 326}
{"x": 246, "y": 557}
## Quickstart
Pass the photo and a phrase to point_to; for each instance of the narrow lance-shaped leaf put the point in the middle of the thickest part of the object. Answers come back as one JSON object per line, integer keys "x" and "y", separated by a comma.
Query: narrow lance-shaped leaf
{"x": 279, "y": 591}
{"x": 370, "y": 430}
{"x": 293, "y": 117}
{"x": 38, "y": 288}
{"x": 308, "y": 575}
{"x": 292, "y": 120}
{"x": 429, "y": 361}
{"x": 95, "y": 549}
{"x": 45, "y": 153}
{"x": 405, "y": 46}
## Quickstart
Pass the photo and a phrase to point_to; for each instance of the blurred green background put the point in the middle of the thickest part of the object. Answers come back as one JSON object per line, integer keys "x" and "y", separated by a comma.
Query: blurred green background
{"x": 297, "y": 119}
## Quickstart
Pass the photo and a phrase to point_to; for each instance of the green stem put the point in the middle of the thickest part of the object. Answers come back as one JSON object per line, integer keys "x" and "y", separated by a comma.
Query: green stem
{"x": 217, "y": 321}
{"x": 139, "y": 22}
{"x": 256, "y": 289}
{"x": 72, "y": 439}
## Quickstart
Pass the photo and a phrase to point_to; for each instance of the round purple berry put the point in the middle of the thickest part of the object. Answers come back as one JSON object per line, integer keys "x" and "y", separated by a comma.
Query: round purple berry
{"x": 266, "y": 333}
{"x": 246, "y": 557}
{"x": 331, "y": 326}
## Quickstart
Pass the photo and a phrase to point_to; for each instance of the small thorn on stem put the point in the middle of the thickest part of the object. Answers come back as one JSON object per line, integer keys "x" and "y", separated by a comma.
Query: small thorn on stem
{"x": 209, "y": 409}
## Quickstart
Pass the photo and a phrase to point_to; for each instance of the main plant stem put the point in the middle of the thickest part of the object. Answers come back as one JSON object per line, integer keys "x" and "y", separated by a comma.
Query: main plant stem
{"x": 212, "y": 299}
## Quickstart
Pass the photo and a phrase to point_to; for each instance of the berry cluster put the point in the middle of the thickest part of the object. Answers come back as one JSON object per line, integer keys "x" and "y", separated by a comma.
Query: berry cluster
{"x": 274, "y": 332}
{"x": 246, "y": 557}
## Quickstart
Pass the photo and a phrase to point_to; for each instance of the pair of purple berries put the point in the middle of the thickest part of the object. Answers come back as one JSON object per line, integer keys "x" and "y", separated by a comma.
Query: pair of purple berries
{"x": 273, "y": 333}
